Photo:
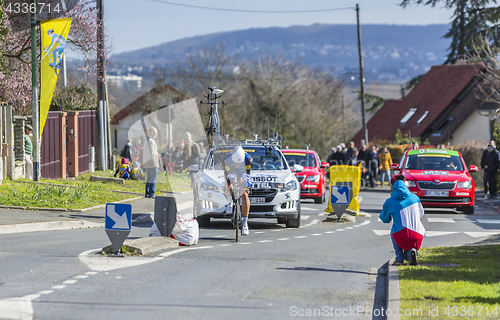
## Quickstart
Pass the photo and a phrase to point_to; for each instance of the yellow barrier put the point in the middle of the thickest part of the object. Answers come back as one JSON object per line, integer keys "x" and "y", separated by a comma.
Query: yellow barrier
{"x": 346, "y": 175}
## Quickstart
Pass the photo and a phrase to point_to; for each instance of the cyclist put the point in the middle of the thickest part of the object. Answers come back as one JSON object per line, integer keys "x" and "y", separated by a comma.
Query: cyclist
{"x": 237, "y": 171}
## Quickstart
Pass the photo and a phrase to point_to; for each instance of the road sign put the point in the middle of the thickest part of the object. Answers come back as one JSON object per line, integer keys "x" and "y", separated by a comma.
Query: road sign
{"x": 117, "y": 224}
{"x": 340, "y": 195}
{"x": 118, "y": 216}
{"x": 339, "y": 199}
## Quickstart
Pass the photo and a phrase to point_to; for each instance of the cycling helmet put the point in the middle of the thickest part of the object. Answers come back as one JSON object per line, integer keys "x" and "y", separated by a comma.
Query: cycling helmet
{"x": 238, "y": 155}
{"x": 124, "y": 161}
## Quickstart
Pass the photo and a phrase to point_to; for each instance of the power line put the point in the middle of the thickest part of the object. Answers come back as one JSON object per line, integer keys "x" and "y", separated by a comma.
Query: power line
{"x": 249, "y": 11}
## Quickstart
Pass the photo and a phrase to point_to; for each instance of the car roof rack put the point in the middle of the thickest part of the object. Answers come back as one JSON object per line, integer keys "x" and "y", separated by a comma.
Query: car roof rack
{"x": 227, "y": 141}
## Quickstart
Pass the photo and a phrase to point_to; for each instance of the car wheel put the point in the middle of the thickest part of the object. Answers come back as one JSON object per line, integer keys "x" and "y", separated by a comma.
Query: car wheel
{"x": 467, "y": 210}
{"x": 294, "y": 222}
{"x": 320, "y": 199}
{"x": 281, "y": 220}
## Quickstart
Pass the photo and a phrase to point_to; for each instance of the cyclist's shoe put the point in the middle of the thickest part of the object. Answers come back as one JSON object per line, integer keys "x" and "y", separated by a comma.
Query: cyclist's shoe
{"x": 244, "y": 230}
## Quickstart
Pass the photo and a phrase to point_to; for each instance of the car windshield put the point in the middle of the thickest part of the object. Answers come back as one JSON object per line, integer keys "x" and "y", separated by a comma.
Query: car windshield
{"x": 304, "y": 159}
{"x": 433, "y": 162}
{"x": 263, "y": 158}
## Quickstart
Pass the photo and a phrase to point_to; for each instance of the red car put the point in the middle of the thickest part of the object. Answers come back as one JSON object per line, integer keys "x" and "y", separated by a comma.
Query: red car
{"x": 313, "y": 178}
{"x": 439, "y": 178}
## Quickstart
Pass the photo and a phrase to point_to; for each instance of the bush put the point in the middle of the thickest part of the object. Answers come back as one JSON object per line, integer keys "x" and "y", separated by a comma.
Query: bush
{"x": 471, "y": 152}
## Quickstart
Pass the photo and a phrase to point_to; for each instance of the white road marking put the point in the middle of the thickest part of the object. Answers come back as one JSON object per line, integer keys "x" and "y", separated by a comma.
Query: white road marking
{"x": 45, "y": 292}
{"x": 220, "y": 236}
{"x": 81, "y": 277}
{"x": 365, "y": 223}
{"x": 283, "y": 239}
{"x": 360, "y": 198}
{"x": 118, "y": 277}
{"x": 91, "y": 273}
{"x": 264, "y": 241}
{"x": 481, "y": 234}
{"x": 348, "y": 228}
{"x": 488, "y": 221}
{"x": 323, "y": 214}
{"x": 259, "y": 232}
{"x": 447, "y": 220}
{"x": 17, "y": 308}
{"x": 70, "y": 281}
{"x": 340, "y": 229}
{"x": 439, "y": 233}
{"x": 58, "y": 287}
{"x": 308, "y": 209}
{"x": 276, "y": 230}
{"x": 224, "y": 245}
{"x": 329, "y": 231}
{"x": 304, "y": 217}
{"x": 316, "y": 234}
{"x": 382, "y": 232}
{"x": 109, "y": 263}
{"x": 245, "y": 242}
{"x": 300, "y": 237}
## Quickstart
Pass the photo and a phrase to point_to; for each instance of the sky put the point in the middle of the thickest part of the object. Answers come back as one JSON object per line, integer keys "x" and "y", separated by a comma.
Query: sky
{"x": 135, "y": 24}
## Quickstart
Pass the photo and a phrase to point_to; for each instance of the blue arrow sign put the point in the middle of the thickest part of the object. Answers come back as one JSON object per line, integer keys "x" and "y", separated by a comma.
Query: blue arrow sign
{"x": 118, "y": 216}
{"x": 340, "y": 195}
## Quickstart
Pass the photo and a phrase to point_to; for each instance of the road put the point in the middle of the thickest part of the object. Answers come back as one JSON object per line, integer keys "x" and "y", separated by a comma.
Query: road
{"x": 327, "y": 269}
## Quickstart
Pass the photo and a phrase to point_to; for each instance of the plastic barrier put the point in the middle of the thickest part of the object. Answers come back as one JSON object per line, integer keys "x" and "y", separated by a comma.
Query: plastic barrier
{"x": 346, "y": 176}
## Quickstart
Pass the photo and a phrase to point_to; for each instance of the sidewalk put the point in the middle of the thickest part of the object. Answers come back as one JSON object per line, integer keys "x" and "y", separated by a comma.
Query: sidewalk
{"x": 492, "y": 204}
{"x": 95, "y": 216}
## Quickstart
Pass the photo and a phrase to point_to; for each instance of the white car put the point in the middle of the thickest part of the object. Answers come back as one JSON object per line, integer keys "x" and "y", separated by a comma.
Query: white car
{"x": 275, "y": 191}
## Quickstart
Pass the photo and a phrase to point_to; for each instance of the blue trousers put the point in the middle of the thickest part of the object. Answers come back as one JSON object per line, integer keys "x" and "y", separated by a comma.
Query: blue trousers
{"x": 152, "y": 174}
{"x": 400, "y": 253}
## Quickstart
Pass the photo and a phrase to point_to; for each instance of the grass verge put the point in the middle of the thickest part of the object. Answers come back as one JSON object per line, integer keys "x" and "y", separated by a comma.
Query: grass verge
{"x": 471, "y": 290}
{"x": 47, "y": 196}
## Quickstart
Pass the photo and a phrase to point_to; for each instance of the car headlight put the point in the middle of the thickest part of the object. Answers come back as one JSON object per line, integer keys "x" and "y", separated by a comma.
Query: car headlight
{"x": 465, "y": 184}
{"x": 314, "y": 178}
{"x": 209, "y": 186}
{"x": 292, "y": 185}
{"x": 410, "y": 183}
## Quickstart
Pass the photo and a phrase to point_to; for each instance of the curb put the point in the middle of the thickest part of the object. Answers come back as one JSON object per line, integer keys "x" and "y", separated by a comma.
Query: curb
{"x": 145, "y": 246}
{"x": 393, "y": 302}
{"x": 48, "y": 226}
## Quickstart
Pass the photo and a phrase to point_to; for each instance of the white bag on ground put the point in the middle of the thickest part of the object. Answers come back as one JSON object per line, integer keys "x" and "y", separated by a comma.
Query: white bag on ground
{"x": 186, "y": 231}
{"x": 154, "y": 231}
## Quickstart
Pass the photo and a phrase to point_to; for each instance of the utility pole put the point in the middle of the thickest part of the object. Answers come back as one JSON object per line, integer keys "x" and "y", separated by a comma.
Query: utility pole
{"x": 34, "y": 97}
{"x": 361, "y": 80}
{"x": 101, "y": 92}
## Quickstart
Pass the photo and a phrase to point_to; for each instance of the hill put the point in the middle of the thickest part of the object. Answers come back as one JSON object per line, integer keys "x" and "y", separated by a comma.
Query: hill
{"x": 391, "y": 52}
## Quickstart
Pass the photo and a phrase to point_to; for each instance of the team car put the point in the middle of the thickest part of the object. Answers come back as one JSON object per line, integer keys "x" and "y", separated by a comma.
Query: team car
{"x": 275, "y": 191}
{"x": 313, "y": 178}
{"x": 439, "y": 178}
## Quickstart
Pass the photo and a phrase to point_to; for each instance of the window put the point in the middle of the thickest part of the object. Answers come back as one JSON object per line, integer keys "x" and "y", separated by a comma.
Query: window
{"x": 408, "y": 116}
{"x": 442, "y": 126}
{"x": 422, "y": 117}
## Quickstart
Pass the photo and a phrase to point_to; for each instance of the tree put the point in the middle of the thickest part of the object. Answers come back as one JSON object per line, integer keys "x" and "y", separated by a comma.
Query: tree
{"x": 302, "y": 104}
{"x": 3, "y": 33}
{"x": 74, "y": 98}
{"x": 15, "y": 47}
{"x": 471, "y": 18}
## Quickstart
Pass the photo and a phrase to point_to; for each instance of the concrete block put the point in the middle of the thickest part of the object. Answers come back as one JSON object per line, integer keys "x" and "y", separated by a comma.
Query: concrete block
{"x": 107, "y": 179}
{"x": 149, "y": 245}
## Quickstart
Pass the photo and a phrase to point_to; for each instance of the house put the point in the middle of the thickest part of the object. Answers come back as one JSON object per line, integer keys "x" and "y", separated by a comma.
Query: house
{"x": 444, "y": 107}
{"x": 151, "y": 101}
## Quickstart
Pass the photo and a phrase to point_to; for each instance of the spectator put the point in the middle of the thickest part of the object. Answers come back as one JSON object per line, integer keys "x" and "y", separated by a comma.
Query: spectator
{"x": 191, "y": 151}
{"x": 491, "y": 165}
{"x": 416, "y": 146}
{"x": 385, "y": 165}
{"x": 343, "y": 148}
{"x": 178, "y": 157}
{"x": 127, "y": 151}
{"x": 123, "y": 170}
{"x": 405, "y": 211}
{"x": 483, "y": 172}
{"x": 151, "y": 162}
{"x": 203, "y": 154}
{"x": 136, "y": 173}
{"x": 349, "y": 151}
{"x": 28, "y": 150}
{"x": 338, "y": 157}
{"x": 169, "y": 157}
{"x": 330, "y": 157}
{"x": 372, "y": 163}
{"x": 353, "y": 161}
{"x": 362, "y": 153}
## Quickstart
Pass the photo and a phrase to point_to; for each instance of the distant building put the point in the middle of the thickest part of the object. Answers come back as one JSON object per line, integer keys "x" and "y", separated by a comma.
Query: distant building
{"x": 121, "y": 80}
{"x": 147, "y": 103}
{"x": 443, "y": 107}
